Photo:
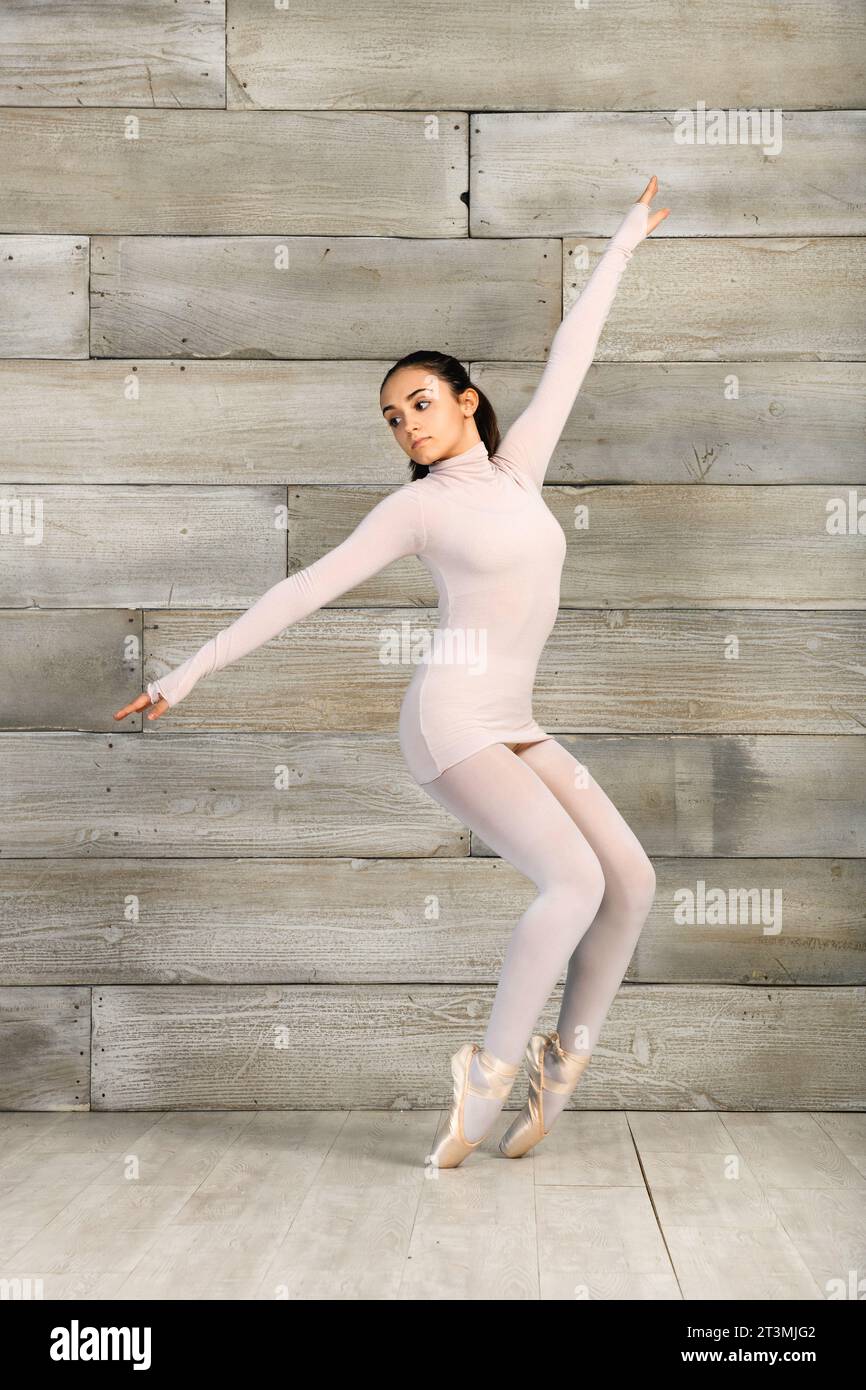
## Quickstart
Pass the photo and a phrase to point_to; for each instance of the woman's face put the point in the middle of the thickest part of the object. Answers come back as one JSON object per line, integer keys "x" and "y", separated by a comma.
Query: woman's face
{"x": 428, "y": 421}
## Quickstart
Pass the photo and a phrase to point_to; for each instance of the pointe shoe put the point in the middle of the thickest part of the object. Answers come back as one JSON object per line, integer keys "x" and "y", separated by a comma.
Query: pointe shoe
{"x": 454, "y": 1146}
{"x": 527, "y": 1128}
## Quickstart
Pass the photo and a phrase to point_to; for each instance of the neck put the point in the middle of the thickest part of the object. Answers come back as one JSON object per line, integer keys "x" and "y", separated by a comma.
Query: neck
{"x": 473, "y": 462}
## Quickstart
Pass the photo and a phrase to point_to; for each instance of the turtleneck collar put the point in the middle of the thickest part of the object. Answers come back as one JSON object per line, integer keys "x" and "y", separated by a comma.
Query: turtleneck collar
{"x": 472, "y": 463}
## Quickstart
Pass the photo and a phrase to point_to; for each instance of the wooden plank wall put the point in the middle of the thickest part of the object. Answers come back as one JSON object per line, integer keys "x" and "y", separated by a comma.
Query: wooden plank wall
{"x": 220, "y": 221}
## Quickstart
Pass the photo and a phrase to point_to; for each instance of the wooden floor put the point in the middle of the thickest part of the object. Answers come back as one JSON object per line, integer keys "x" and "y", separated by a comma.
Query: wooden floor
{"x": 339, "y": 1205}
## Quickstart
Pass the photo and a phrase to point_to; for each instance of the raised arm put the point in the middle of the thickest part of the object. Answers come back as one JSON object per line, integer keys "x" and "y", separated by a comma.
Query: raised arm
{"x": 533, "y": 436}
{"x": 394, "y": 527}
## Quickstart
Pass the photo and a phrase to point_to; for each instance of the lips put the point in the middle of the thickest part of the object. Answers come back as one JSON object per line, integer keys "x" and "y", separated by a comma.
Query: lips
{"x": 419, "y": 442}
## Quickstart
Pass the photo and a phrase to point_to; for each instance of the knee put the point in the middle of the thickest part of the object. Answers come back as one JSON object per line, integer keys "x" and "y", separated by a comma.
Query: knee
{"x": 582, "y": 878}
{"x": 637, "y": 887}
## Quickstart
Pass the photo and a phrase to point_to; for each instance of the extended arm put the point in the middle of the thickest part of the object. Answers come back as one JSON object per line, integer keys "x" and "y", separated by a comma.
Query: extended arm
{"x": 530, "y": 441}
{"x": 394, "y": 527}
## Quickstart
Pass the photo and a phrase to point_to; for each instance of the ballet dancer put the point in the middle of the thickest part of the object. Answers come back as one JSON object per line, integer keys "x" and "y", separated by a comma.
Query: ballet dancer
{"x": 474, "y": 514}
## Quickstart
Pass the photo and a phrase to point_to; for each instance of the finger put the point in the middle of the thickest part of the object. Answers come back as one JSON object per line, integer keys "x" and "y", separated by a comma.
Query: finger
{"x": 650, "y": 191}
{"x": 159, "y": 709}
{"x": 141, "y": 702}
{"x": 656, "y": 218}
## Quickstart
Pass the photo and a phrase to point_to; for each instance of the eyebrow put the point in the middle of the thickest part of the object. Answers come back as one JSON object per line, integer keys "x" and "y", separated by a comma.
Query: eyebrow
{"x": 409, "y": 397}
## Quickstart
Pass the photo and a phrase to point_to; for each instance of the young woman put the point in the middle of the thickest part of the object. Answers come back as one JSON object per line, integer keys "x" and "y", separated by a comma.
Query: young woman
{"x": 474, "y": 513}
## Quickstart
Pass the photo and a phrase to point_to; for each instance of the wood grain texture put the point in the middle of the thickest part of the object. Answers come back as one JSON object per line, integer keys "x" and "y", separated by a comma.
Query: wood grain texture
{"x": 671, "y": 1047}
{"x": 239, "y": 1205}
{"x": 615, "y": 671}
{"x": 198, "y": 422}
{"x": 45, "y": 1053}
{"x": 676, "y": 546}
{"x": 548, "y": 173}
{"x": 105, "y": 795}
{"x": 700, "y": 422}
{"x": 209, "y": 172}
{"x": 645, "y": 547}
{"x": 638, "y": 55}
{"x": 681, "y": 546}
{"x": 222, "y": 221}
{"x": 690, "y": 672}
{"x": 339, "y": 297}
{"x": 730, "y": 795}
{"x": 491, "y": 297}
{"x": 345, "y": 671}
{"x": 374, "y": 921}
{"x": 44, "y": 310}
{"x": 112, "y": 53}
{"x": 68, "y": 670}
{"x": 255, "y": 795}
{"x": 586, "y": 1240}
{"x": 112, "y": 546}
{"x": 756, "y": 299}
{"x": 201, "y": 422}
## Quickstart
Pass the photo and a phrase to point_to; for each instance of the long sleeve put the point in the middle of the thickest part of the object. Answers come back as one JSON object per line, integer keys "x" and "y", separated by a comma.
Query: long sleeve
{"x": 393, "y": 528}
{"x": 531, "y": 439}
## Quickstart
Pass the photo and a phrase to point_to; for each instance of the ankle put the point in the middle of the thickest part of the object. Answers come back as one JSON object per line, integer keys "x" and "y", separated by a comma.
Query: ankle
{"x": 563, "y": 1070}
{"x": 490, "y": 1076}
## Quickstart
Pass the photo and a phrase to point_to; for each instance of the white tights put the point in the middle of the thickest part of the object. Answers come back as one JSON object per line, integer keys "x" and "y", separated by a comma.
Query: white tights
{"x": 542, "y": 811}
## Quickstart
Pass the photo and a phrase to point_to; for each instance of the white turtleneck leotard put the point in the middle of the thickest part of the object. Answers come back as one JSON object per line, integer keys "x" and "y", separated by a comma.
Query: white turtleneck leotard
{"x": 479, "y": 523}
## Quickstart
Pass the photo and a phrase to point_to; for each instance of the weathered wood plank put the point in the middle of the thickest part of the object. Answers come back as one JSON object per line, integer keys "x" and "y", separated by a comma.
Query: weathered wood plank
{"x": 661, "y": 671}
{"x": 711, "y": 299}
{"x": 792, "y": 1151}
{"x": 763, "y": 1235}
{"x": 480, "y": 1246}
{"x": 734, "y": 671}
{"x": 392, "y": 921}
{"x": 729, "y": 794}
{"x": 342, "y": 297}
{"x": 595, "y": 1239}
{"x": 125, "y": 546}
{"x": 744, "y": 547}
{"x": 223, "y": 296}
{"x": 112, "y": 53}
{"x": 18, "y": 1133}
{"x": 823, "y": 1226}
{"x": 68, "y": 670}
{"x": 103, "y": 795}
{"x": 45, "y": 1048}
{"x": 670, "y": 1047}
{"x": 254, "y": 795}
{"x": 848, "y": 1132}
{"x": 698, "y": 422}
{"x": 561, "y": 174}
{"x": 44, "y": 310}
{"x": 659, "y": 547}
{"x": 121, "y": 421}
{"x": 345, "y": 670}
{"x": 194, "y": 422}
{"x": 341, "y": 671}
{"x": 263, "y": 172}
{"x": 638, "y": 55}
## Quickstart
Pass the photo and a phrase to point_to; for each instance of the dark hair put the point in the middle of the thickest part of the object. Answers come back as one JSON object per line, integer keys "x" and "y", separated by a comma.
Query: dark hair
{"x": 452, "y": 371}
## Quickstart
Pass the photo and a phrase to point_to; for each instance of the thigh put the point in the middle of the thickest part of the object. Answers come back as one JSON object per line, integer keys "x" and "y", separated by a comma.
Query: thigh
{"x": 618, "y": 849}
{"x": 501, "y": 797}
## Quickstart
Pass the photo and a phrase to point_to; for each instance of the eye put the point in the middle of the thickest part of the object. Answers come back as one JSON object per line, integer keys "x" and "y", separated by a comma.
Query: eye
{"x": 393, "y": 420}
{"x": 422, "y": 400}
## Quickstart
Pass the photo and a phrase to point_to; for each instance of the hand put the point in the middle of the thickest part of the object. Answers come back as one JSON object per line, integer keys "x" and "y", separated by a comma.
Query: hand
{"x": 646, "y": 197}
{"x": 142, "y": 702}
